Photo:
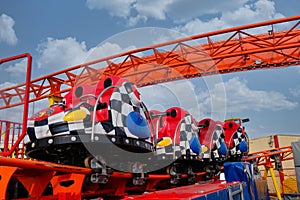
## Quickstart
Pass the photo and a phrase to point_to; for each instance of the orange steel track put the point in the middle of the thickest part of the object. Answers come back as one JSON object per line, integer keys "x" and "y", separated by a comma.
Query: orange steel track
{"x": 67, "y": 182}
{"x": 35, "y": 176}
{"x": 240, "y": 50}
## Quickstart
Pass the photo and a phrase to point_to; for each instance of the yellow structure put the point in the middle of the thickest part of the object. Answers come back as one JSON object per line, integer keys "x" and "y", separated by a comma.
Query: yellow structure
{"x": 54, "y": 99}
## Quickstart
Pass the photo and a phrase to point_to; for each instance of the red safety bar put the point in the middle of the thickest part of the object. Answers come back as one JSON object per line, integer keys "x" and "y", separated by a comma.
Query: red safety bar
{"x": 266, "y": 157}
{"x": 25, "y": 99}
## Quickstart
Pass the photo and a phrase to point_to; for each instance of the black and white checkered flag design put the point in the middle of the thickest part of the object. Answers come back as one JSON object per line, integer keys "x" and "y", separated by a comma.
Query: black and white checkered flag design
{"x": 218, "y": 138}
{"x": 237, "y": 138}
{"x": 120, "y": 107}
{"x": 53, "y": 126}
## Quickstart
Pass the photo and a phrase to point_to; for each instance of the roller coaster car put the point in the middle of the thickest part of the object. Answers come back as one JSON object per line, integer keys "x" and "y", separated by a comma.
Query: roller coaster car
{"x": 176, "y": 134}
{"x": 212, "y": 140}
{"x": 236, "y": 138}
{"x": 177, "y": 144}
{"x": 109, "y": 112}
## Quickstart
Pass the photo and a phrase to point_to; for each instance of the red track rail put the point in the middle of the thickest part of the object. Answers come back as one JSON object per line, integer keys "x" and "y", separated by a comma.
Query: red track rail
{"x": 241, "y": 51}
{"x": 267, "y": 157}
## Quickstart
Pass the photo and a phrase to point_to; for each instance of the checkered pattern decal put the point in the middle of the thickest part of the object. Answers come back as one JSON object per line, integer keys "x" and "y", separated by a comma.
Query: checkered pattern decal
{"x": 187, "y": 129}
{"x": 168, "y": 150}
{"x": 120, "y": 106}
{"x": 54, "y": 125}
{"x": 218, "y": 138}
{"x": 237, "y": 137}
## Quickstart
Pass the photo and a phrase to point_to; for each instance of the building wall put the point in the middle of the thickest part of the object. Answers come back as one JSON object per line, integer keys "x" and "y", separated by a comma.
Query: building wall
{"x": 268, "y": 142}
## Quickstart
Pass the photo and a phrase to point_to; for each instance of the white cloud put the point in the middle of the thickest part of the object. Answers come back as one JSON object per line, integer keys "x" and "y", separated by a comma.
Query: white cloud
{"x": 58, "y": 54}
{"x": 17, "y": 68}
{"x": 172, "y": 94}
{"x": 182, "y": 11}
{"x": 239, "y": 97}
{"x": 7, "y": 85}
{"x": 222, "y": 14}
{"x": 106, "y": 49}
{"x": 185, "y": 94}
{"x": 155, "y": 8}
{"x": 14, "y": 114}
{"x": 198, "y": 26}
{"x": 119, "y": 8}
{"x": 132, "y": 21}
{"x": 261, "y": 10}
{"x": 295, "y": 92}
{"x": 133, "y": 11}
{"x": 7, "y": 33}
{"x": 177, "y": 10}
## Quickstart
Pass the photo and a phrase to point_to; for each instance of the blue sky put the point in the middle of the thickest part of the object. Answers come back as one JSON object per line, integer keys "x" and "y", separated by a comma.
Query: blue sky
{"x": 59, "y": 34}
